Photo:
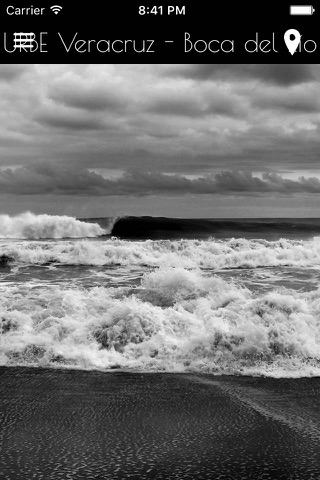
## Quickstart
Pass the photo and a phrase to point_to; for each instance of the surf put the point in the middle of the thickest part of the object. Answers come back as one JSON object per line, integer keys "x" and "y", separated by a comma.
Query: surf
{"x": 205, "y": 254}
{"x": 30, "y": 226}
{"x": 176, "y": 320}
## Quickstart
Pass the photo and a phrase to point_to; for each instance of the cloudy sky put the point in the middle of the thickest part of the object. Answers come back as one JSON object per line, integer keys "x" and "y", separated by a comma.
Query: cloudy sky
{"x": 169, "y": 140}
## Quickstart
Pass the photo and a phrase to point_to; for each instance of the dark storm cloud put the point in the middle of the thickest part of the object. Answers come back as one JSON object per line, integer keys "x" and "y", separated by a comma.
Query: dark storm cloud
{"x": 175, "y": 107}
{"x": 69, "y": 121}
{"x": 161, "y": 119}
{"x": 12, "y": 72}
{"x": 67, "y": 180}
{"x": 193, "y": 108}
{"x": 224, "y": 183}
{"x": 290, "y": 102}
{"x": 50, "y": 178}
{"x": 282, "y": 75}
{"x": 88, "y": 98}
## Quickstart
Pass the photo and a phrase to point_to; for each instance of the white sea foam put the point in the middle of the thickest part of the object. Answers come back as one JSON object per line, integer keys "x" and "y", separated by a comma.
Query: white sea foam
{"x": 30, "y": 226}
{"x": 179, "y": 320}
{"x": 213, "y": 254}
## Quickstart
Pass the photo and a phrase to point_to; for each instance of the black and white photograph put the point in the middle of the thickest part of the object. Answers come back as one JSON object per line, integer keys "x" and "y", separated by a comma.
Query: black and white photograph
{"x": 159, "y": 271}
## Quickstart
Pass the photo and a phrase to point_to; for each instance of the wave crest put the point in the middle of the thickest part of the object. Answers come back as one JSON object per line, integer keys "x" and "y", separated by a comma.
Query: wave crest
{"x": 30, "y": 226}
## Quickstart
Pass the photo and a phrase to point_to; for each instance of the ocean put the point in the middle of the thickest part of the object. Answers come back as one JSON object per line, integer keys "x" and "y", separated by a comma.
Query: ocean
{"x": 142, "y": 294}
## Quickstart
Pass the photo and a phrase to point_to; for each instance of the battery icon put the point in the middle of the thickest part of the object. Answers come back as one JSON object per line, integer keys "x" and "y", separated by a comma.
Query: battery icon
{"x": 301, "y": 10}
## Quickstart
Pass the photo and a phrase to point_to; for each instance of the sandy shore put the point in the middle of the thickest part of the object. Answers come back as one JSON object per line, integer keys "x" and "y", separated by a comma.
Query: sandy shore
{"x": 59, "y": 424}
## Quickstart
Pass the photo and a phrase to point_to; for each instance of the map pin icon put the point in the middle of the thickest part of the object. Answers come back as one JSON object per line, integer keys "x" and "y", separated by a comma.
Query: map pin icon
{"x": 292, "y": 40}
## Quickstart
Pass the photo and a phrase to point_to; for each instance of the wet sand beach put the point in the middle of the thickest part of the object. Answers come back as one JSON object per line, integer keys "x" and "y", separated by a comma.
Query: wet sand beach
{"x": 71, "y": 424}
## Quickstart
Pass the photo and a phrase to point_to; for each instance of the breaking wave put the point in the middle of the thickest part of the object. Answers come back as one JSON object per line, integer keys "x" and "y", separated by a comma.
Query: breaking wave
{"x": 177, "y": 320}
{"x": 159, "y": 228}
{"x": 212, "y": 254}
{"x": 30, "y": 226}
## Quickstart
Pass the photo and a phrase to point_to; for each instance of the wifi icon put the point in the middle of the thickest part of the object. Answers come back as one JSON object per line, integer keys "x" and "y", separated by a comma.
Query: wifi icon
{"x": 56, "y": 9}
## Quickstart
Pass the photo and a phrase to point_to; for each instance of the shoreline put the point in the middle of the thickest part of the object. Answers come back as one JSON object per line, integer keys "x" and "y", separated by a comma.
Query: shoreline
{"x": 59, "y": 424}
